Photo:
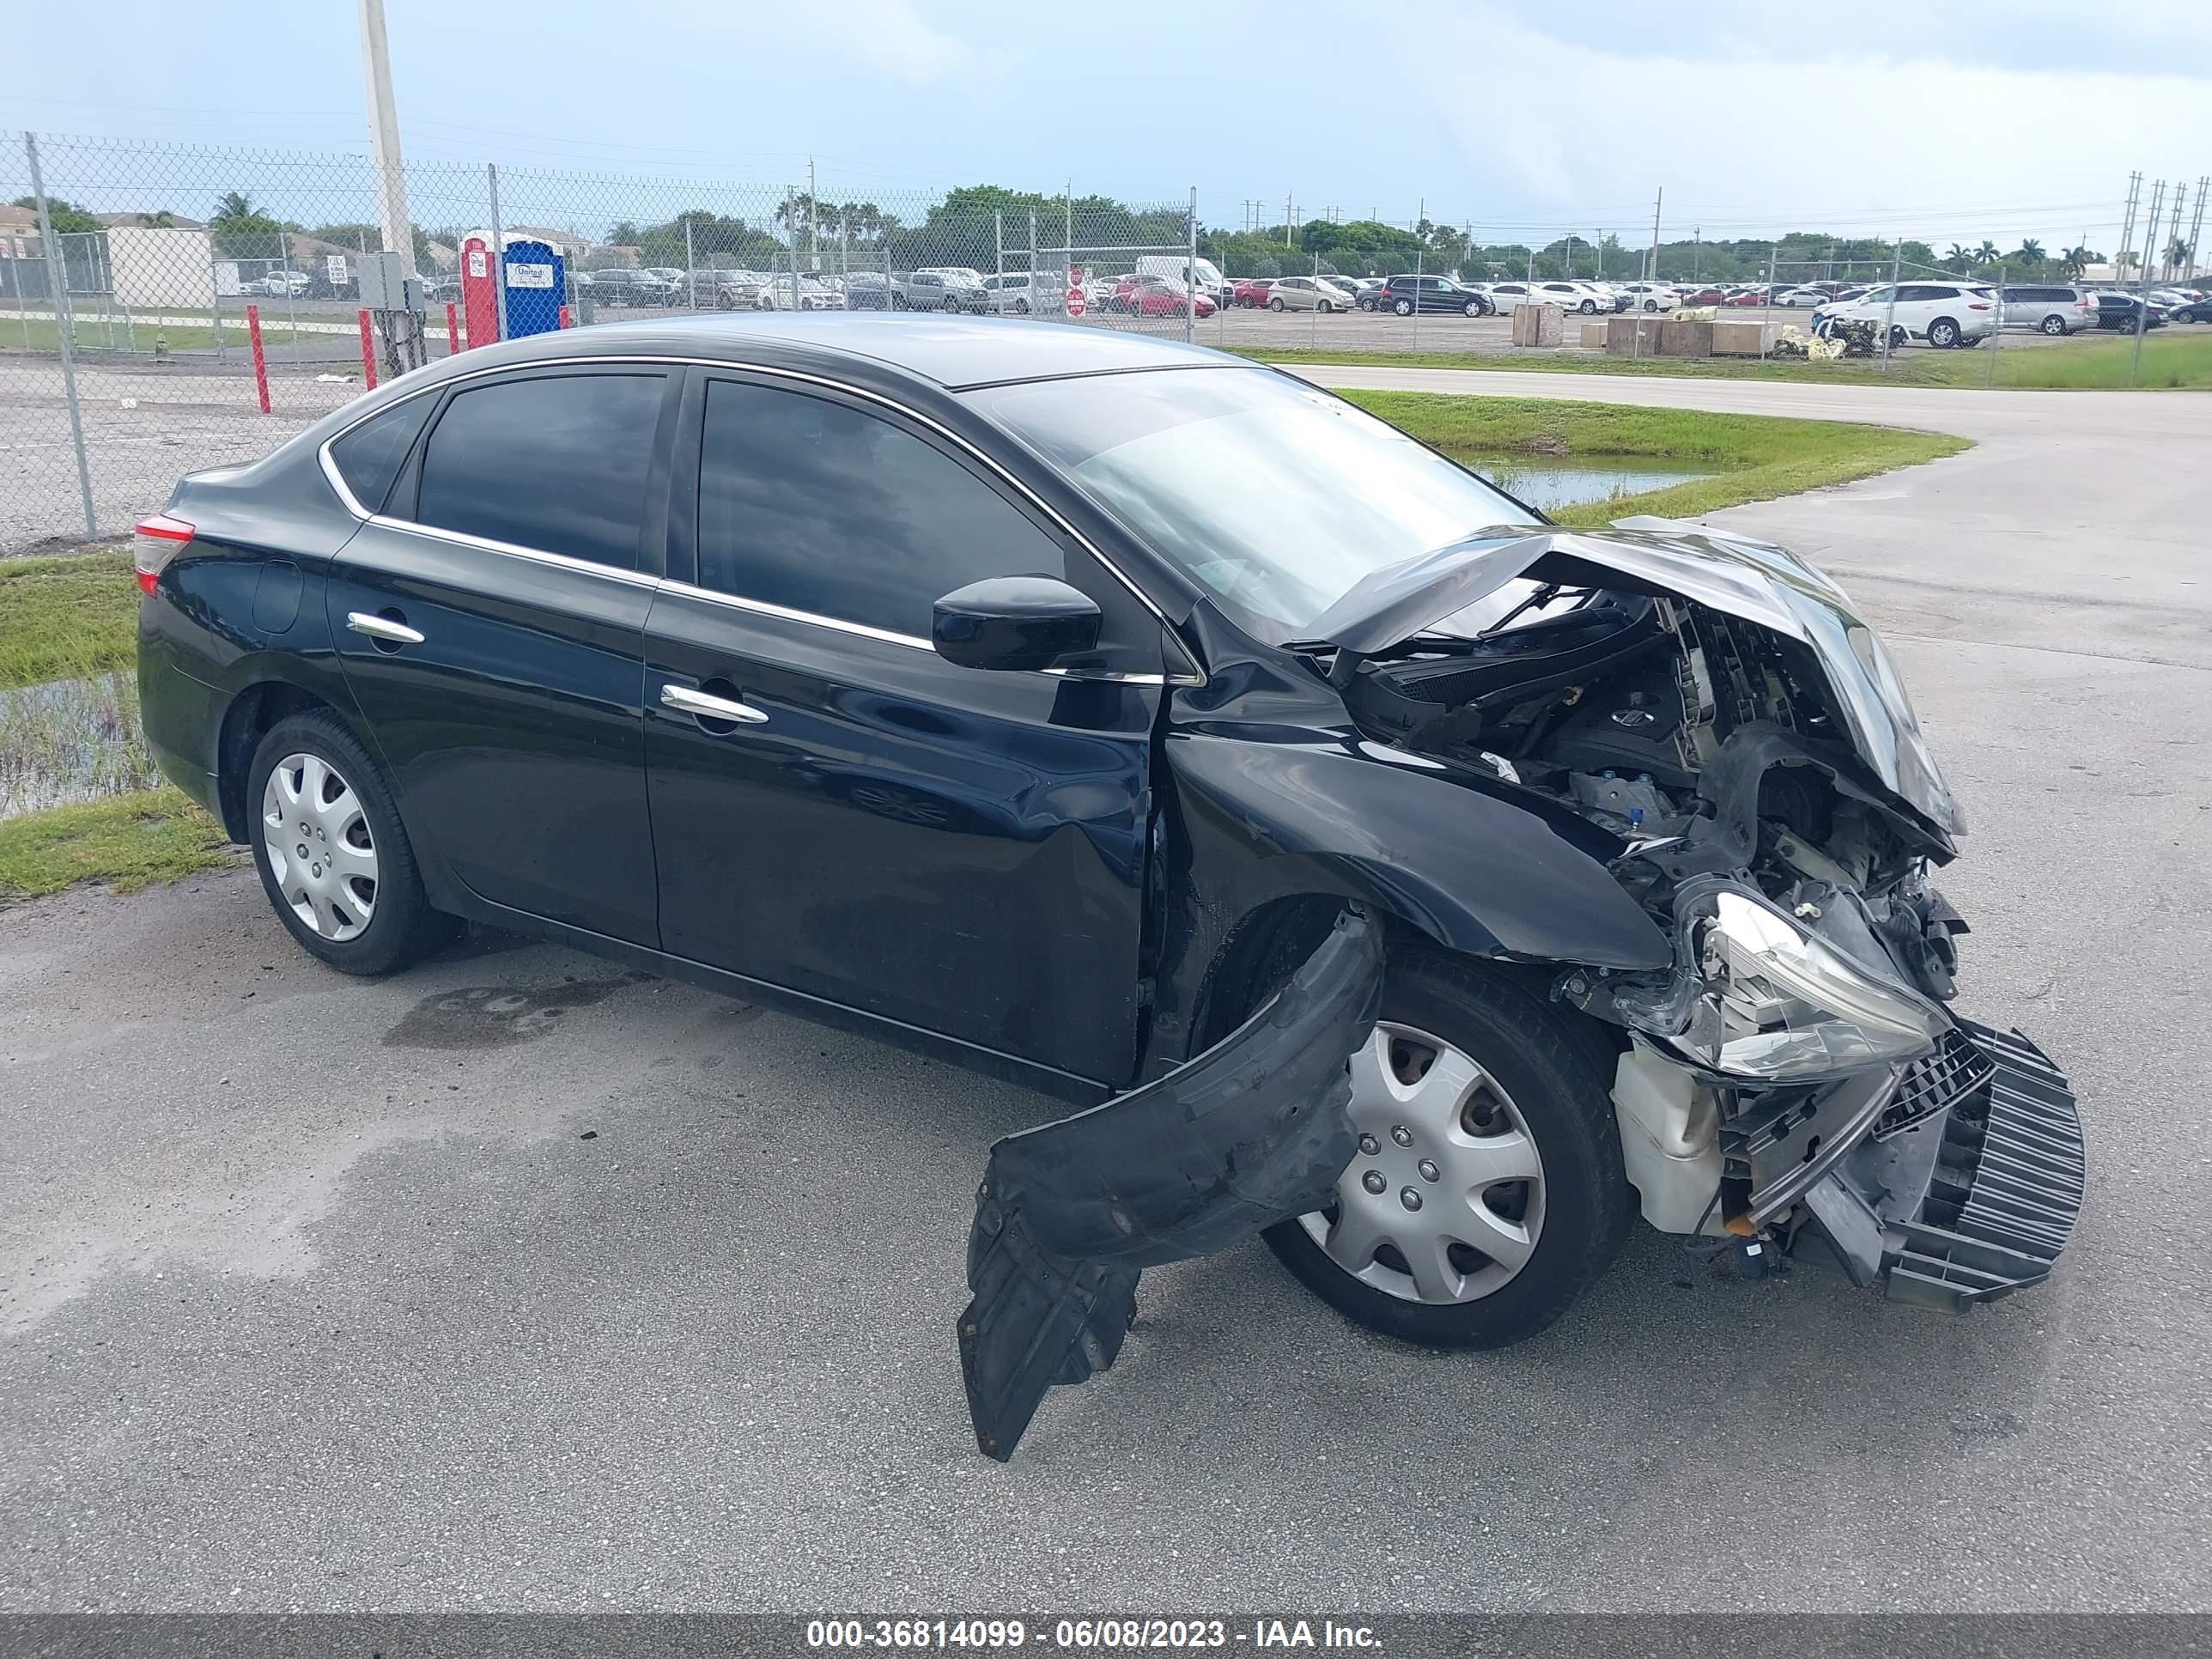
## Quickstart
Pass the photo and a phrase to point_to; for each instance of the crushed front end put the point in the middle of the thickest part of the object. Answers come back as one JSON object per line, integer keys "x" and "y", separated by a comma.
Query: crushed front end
{"x": 1718, "y": 706}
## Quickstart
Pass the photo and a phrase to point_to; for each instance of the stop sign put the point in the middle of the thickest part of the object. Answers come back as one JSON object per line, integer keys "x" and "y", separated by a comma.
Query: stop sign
{"x": 1075, "y": 291}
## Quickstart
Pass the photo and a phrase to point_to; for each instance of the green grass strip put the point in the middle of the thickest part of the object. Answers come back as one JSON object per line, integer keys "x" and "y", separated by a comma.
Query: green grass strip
{"x": 126, "y": 841}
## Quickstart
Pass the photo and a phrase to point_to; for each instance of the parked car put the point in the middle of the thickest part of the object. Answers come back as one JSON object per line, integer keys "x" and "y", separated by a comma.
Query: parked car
{"x": 2198, "y": 310}
{"x": 1754, "y": 295}
{"x": 277, "y": 284}
{"x": 1251, "y": 293}
{"x": 1159, "y": 296}
{"x": 939, "y": 290}
{"x": 1008, "y": 293}
{"x": 619, "y": 285}
{"x": 2048, "y": 309}
{"x": 973, "y": 687}
{"x": 1403, "y": 294}
{"x": 1307, "y": 293}
{"x": 736, "y": 290}
{"x": 1944, "y": 314}
{"x": 1708, "y": 295}
{"x": 1800, "y": 299}
{"x": 1607, "y": 297}
{"x": 1650, "y": 297}
{"x": 441, "y": 290}
{"x": 1568, "y": 296}
{"x": 1204, "y": 274}
{"x": 2122, "y": 311}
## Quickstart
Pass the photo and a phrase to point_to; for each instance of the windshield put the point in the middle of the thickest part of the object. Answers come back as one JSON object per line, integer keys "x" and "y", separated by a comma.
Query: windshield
{"x": 1275, "y": 496}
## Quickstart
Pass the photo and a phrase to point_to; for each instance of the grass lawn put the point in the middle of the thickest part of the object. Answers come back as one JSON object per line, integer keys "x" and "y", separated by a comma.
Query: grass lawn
{"x": 2179, "y": 357}
{"x": 65, "y": 616}
{"x": 1762, "y": 457}
{"x": 155, "y": 835}
{"x": 92, "y": 334}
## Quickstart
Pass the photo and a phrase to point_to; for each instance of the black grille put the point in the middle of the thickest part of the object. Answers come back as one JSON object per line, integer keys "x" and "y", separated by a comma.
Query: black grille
{"x": 1956, "y": 1069}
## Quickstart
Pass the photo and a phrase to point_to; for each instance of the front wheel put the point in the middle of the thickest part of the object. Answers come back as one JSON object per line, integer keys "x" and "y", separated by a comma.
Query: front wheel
{"x": 1472, "y": 308}
{"x": 334, "y": 859}
{"x": 2054, "y": 326}
{"x": 1325, "y": 307}
{"x": 1487, "y": 1192}
{"x": 1403, "y": 307}
{"x": 1942, "y": 334}
{"x": 1589, "y": 307}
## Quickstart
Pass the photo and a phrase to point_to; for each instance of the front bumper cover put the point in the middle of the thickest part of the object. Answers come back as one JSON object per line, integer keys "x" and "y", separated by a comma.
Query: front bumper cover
{"x": 1948, "y": 1203}
{"x": 1253, "y": 1130}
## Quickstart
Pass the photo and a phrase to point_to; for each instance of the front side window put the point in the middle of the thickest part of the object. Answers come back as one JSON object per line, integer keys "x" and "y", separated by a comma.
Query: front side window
{"x": 556, "y": 462}
{"x": 1273, "y": 496}
{"x": 817, "y": 506}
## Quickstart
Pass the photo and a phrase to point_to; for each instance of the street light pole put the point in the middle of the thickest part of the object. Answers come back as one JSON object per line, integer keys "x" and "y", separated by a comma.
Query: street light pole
{"x": 384, "y": 137}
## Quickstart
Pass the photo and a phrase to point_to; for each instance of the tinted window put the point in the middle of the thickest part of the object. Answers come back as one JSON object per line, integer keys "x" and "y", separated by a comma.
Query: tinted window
{"x": 369, "y": 457}
{"x": 815, "y": 505}
{"x": 557, "y": 464}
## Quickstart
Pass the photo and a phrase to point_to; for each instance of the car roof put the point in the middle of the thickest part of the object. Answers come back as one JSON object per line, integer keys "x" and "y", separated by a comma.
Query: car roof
{"x": 953, "y": 353}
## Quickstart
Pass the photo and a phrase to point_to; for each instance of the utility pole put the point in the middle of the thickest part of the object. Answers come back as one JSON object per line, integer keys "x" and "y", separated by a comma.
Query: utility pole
{"x": 2127, "y": 230}
{"x": 2171, "y": 266}
{"x": 1656, "y": 203}
{"x": 2143, "y": 282}
{"x": 384, "y": 137}
{"x": 1697, "y": 247}
{"x": 813, "y": 243}
{"x": 1290, "y": 217}
{"x": 2197, "y": 229}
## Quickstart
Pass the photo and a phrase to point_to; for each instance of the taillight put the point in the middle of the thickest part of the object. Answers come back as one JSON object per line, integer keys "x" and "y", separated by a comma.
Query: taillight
{"x": 153, "y": 543}
{"x": 1977, "y": 305}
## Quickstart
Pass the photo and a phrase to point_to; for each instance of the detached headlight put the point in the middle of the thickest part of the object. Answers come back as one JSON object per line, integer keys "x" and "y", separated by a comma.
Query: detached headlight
{"x": 1775, "y": 1004}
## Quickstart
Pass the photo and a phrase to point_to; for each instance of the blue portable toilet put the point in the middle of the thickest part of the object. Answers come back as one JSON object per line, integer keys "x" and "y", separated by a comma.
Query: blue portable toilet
{"x": 537, "y": 287}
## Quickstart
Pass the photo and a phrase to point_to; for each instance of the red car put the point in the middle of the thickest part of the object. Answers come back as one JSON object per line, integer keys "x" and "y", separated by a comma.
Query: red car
{"x": 1705, "y": 296}
{"x": 1251, "y": 292}
{"x": 1750, "y": 296}
{"x": 1157, "y": 296}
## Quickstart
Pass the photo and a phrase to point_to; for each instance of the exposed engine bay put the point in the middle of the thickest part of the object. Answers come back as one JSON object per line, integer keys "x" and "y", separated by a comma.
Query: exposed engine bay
{"x": 1715, "y": 706}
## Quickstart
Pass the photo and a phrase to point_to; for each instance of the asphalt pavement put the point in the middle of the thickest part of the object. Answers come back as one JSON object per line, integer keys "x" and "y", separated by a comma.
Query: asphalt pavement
{"x": 518, "y": 1282}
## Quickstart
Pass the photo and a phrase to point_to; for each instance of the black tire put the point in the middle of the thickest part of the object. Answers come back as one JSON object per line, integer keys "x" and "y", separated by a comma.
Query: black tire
{"x": 402, "y": 928}
{"x": 1651, "y": 305}
{"x": 2054, "y": 325}
{"x": 1473, "y": 307}
{"x": 1943, "y": 334}
{"x": 1553, "y": 1070}
{"x": 1589, "y": 307}
{"x": 1324, "y": 307}
{"x": 1275, "y": 302}
{"x": 1403, "y": 307}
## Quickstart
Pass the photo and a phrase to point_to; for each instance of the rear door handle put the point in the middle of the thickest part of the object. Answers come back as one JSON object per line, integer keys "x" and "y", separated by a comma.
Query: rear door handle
{"x": 708, "y": 707}
{"x": 383, "y": 628}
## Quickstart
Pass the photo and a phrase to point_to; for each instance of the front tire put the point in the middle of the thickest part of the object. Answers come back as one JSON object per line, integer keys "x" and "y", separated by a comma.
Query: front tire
{"x": 1472, "y": 308}
{"x": 1403, "y": 307}
{"x": 1488, "y": 1192}
{"x": 1942, "y": 334}
{"x": 334, "y": 858}
{"x": 2054, "y": 326}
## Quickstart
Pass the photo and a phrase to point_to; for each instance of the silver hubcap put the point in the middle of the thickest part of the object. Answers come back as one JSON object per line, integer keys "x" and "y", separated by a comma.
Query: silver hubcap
{"x": 316, "y": 839}
{"x": 1445, "y": 1200}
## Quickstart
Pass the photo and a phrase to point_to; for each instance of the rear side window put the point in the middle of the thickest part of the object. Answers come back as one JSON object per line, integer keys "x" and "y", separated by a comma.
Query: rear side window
{"x": 555, "y": 463}
{"x": 816, "y": 507}
{"x": 369, "y": 456}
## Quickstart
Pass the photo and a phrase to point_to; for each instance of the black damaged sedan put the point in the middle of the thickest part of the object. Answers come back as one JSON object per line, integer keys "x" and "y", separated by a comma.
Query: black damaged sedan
{"x": 1430, "y": 887}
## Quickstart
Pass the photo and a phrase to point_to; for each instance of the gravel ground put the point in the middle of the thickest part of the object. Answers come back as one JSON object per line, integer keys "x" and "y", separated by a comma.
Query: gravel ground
{"x": 316, "y": 1295}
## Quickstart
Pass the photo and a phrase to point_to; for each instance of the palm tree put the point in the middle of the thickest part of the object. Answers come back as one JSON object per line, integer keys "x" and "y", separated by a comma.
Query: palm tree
{"x": 1987, "y": 253}
{"x": 2030, "y": 253}
{"x": 1959, "y": 258}
{"x": 2075, "y": 260}
{"x": 234, "y": 204}
{"x": 2177, "y": 254}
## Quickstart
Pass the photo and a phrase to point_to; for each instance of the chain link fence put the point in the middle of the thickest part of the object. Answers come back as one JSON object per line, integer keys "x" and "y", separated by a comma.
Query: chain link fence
{"x": 167, "y": 308}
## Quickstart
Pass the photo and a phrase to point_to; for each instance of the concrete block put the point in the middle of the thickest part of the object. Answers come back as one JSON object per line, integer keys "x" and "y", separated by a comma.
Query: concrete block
{"x": 1538, "y": 325}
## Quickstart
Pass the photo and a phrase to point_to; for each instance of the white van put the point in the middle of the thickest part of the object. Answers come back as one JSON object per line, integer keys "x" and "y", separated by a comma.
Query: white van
{"x": 1177, "y": 268}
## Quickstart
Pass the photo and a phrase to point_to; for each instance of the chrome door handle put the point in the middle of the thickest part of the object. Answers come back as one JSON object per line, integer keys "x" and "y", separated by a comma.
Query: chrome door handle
{"x": 710, "y": 708}
{"x": 382, "y": 627}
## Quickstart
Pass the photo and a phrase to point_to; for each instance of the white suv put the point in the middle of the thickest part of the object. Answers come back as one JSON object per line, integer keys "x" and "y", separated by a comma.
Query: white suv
{"x": 1649, "y": 296}
{"x": 1944, "y": 314}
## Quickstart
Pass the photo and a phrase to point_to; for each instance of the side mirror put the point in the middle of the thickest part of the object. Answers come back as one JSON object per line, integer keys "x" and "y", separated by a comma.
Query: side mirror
{"x": 1013, "y": 623}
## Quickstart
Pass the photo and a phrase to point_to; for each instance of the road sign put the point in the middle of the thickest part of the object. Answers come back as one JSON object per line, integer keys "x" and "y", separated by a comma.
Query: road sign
{"x": 1075, "y": 290}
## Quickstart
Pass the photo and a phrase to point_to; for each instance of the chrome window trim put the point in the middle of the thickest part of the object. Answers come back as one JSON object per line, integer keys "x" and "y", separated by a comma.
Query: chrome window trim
{"x": 671, "y": 359}
{"x": 763, "y": 608}
{"x": 514, "y": 549}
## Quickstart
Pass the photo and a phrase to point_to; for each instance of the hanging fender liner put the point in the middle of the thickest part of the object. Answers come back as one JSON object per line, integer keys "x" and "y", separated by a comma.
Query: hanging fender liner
{"x": 1251, "y": 1131}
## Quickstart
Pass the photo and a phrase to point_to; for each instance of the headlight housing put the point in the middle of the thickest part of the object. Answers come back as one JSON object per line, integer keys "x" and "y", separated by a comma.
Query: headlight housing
{"x": 1759, "y": 998}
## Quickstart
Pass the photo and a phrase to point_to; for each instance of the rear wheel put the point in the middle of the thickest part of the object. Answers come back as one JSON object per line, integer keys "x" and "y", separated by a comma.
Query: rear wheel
{"x": 2054, "y": 325}
{"x": 1487, "y": 1192}
{"x": 1403, "y": 307}
{"x": 334, "y": 859}
{"x": 1275, "y": 303}
{"x": 1942, "y": 334}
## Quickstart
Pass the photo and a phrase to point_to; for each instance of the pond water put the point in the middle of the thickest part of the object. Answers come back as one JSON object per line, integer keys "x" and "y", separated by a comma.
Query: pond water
{"x": 1575, "y": 481}
{"x": 70, "y": 740}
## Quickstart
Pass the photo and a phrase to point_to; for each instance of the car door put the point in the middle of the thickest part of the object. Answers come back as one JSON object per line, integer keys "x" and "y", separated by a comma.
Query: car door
{"x": 853, "y": 819}
{"x": 489, "y": 621}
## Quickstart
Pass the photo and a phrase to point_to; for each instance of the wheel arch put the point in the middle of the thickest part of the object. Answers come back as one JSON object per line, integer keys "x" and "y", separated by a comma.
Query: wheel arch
{"x": 252, "y": 712}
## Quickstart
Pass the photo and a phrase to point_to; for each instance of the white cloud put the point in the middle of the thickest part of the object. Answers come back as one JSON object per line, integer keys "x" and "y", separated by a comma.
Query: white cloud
{"x": 892, "y": 38}
{"x": 1839, "y": 136}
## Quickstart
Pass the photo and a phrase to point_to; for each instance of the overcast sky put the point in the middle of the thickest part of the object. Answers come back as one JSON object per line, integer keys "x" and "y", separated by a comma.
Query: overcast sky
{"x": 1946, "y": 120}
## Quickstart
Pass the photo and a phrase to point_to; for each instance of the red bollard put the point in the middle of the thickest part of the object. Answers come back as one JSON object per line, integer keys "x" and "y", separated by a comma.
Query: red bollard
{"x": 260, "y": 362}
{"x": 453, "y": 328}
{"x": 368, "y": 352}
{"x": 566, "y": 321}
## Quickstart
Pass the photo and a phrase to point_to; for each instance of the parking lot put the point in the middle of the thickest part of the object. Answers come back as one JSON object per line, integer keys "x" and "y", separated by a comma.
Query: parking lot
{"x": 318, "y": 1295}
